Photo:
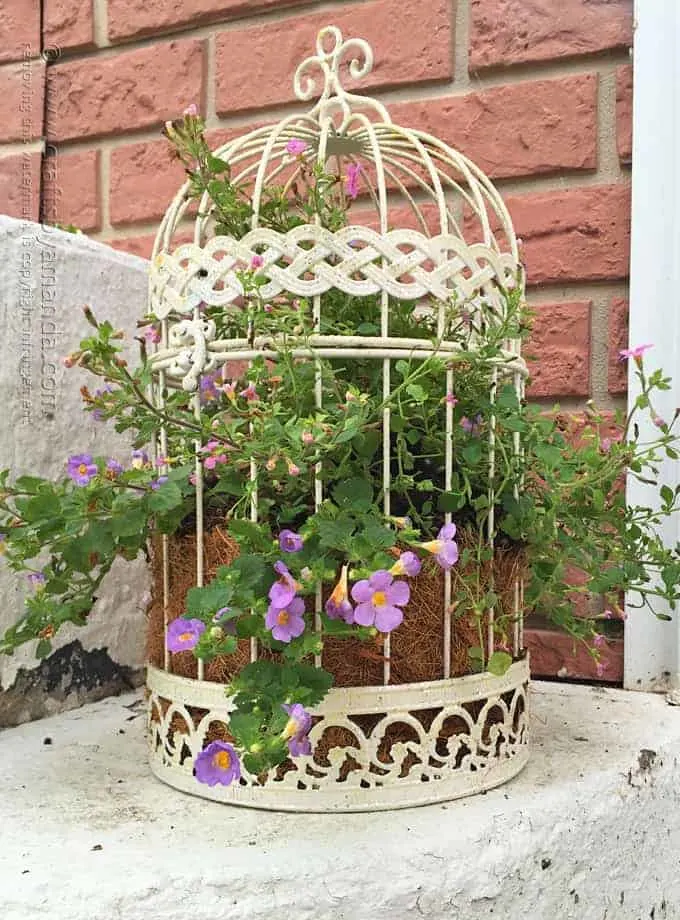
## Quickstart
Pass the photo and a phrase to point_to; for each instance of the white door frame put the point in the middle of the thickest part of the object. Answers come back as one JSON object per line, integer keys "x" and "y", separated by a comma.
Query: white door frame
{"x": 652, "y": 647}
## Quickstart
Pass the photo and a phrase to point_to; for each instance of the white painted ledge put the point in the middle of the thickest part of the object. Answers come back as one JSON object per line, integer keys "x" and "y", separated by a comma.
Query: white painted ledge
{"x": 589, "y": 831}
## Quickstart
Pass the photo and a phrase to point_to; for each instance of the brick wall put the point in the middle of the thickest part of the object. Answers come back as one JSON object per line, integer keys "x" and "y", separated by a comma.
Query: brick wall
{"x": 539, "y": 94}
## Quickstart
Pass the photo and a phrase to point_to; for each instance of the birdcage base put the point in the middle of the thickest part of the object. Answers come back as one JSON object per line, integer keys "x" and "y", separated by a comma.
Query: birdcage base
{"x": 373, "y": 748}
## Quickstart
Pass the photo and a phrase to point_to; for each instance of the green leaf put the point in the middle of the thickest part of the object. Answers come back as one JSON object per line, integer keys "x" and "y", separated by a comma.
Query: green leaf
{"x": 499, "y": 663}
{"x": 206, "y": 601}
{"x": 451, "y": 501}
{"x": 43, "y": 648}
{"x": 167, "y": 497}
{"x": 472, "y": 453}
{"x": 356, "y": 494}
{"x": 250, "y": 536}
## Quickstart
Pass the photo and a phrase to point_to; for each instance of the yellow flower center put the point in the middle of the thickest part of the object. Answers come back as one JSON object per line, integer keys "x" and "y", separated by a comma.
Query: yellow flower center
{"x": 82, "y": 469}
{"x": 290, "y": 729}
{"x": 282, "y": 617}
{"x": 222, "y": 760}
{"x": 434, "y": 546}
{"x": 379, "y": 599}
{"x": 186, "y": 636}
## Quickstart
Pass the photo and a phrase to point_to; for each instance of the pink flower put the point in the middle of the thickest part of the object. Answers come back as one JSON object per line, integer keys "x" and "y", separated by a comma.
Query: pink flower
{"x": 293, "y": 469}
{"x": 600, "y": 668}
{"x": 352, "y": 180}
{"x": 191, "y": 110}
{"x": 152, "y": 335}
{"x": 307, "y": 437}
{"x": 659, "y": 422}
{"x": 471, "y": 426}
{"x": 636, "y": 353}
{"x": 379, "y": 601}
{"x": 250, "y": 393}
{"x": 599, "y": 641}
{"x": 256, "y": 262}
{"x": 450, "y": 400}
{"x": 211, "y": 462}
{"x": 230, "y": 391}
{"x": 295, "y": 147}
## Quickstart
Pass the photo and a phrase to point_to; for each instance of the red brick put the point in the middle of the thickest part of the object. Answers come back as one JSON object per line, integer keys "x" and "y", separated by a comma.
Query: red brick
{"x": 519, "y": 129}
{"x": 555, "y": 654}
{"x": 144, "y": 180}
{"x": 506, "y": 32}
{"x": 136, "y": 245}
{"x": 22, "y": 93}
{"x": 618, "y": 339}
{"x": 20, "y": 185}
{"x": 578, "y": 234}
{"x": 132, "y": 18}
{"x": 143, "y": 245}
{"x": 19, "y": 29}
{"x": 124, "y": 92}
{"x": 560, "y": 341}
{"x": 71, "y": 189}
{"x": 624, "y": 113}
{"x": 68, "y": 25}
{"x": 411, "y": 44}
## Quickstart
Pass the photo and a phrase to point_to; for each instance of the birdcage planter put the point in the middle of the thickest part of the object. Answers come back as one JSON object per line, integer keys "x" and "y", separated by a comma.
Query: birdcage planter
{"x": 430, "y": 229}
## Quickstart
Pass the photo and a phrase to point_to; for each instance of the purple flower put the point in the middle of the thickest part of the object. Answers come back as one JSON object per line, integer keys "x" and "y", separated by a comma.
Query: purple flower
{"x": 140, "y": 459}
{"x": 81, "y": 469}
{"x": 352, "y": 180}
{"x": 407, "y": 564}
{"x": 114, "y": 467}
{"x": 290, "y": 542}
{"x": 599, "y": 641}
{"x": 471, "y": 426}
{"x": 217, "y": 763}
{"x": 297, "y": 729}
{"x": 227, "y": 626}
{"x": 191, "y": 110}
{"x": 184, "y": 634}
{"x": 379, "y": 599}
{"x": 36, "y": 579}
{"x": 157, "y": 483}
{"x": 295, "y": 147}
{"x": 444, "y": 548}
{"x": 287, "y": 622}
{"x": 284, "y": 588}
{"x": 209, "y": 391}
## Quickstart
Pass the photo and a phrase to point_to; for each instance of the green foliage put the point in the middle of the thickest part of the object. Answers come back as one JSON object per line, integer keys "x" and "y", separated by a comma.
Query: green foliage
{"x": 288, "y": 424}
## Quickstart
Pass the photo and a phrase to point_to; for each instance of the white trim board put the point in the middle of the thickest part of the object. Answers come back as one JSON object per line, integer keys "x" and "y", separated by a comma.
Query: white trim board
{"x": 652, "y": 647}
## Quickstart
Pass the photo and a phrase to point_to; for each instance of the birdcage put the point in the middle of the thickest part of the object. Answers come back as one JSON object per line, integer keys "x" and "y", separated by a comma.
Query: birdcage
{"x": 432, "y": 228}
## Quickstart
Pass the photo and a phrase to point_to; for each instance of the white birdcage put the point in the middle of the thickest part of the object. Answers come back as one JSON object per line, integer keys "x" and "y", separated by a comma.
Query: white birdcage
{"x": 413, "y": 179}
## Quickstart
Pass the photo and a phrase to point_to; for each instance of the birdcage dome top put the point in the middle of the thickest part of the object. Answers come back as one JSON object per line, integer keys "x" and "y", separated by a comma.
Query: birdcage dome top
{"x": 428, "y": 221}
